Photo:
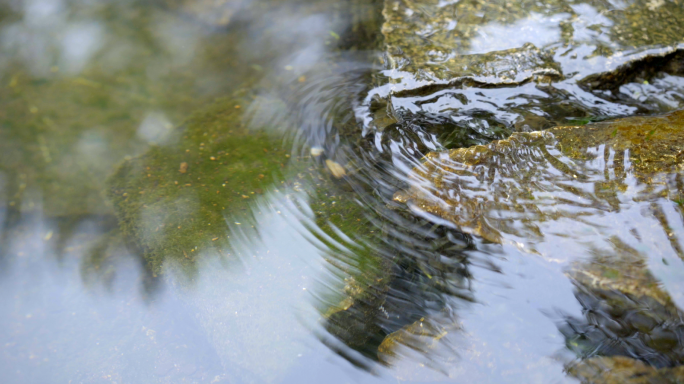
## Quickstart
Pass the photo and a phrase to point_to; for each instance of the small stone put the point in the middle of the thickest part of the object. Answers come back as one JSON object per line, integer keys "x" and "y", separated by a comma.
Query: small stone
{"x": 316, "y": 151}
{"x": 337, "y": 170}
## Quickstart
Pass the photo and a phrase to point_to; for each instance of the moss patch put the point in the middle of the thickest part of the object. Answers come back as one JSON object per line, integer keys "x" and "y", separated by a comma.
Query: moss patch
{"x": 174, "y": 200}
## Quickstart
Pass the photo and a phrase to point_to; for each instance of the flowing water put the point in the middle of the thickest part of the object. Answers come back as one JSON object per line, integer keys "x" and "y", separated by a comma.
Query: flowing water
{"x": 343, "y": 191}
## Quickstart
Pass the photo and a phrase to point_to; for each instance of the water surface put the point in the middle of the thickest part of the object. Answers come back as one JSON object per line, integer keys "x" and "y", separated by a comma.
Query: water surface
{"x": 245, "y": 192}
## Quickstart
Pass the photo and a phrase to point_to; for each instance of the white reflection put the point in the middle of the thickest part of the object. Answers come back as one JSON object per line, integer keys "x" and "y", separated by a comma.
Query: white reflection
{"x": 29, "y": 47}
{"x": 179, "y": 39}
{"x": 590, "y": 25}
{"x": 78, "y": 45}
{"x": 537, "y": 29}
{"x": 117, "y": 55}
{"x": 42, "y": 13}
{"x": 155, "y": 128}
{"x": 92, "y": 146}
{"x": 45, "y": 41}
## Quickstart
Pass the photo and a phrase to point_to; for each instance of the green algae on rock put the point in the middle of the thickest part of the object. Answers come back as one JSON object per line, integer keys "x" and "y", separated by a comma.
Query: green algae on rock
{"x": 175, "y": 199}
{"x": 433, "y": 39}
{"x": 619, "y": 370}
{"x": 63, "y": 127}
{"x": 480, "y": 64}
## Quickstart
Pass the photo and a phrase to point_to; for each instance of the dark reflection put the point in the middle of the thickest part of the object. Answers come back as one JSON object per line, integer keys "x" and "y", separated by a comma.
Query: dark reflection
{"x": 627, "y": 313}
{"x": 418, "y": 274}
{"x": 390, "y": 269}
{"x": 632, "y": 328}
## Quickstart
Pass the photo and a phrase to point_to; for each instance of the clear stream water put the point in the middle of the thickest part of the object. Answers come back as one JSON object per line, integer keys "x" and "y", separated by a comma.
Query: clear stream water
{"x": 203, "y": 191}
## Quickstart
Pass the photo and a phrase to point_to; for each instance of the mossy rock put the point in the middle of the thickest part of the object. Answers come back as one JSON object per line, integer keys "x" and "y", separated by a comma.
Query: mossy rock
{"x": 175, "y": 200}
{"x": 469, "y": 72}
{"x": 565, "y": 194}
{"x": 62, "y": 130}
{"x": 438, "y": 42}
{"x": 529, "y": 174}
{"x": 618, "y": 370}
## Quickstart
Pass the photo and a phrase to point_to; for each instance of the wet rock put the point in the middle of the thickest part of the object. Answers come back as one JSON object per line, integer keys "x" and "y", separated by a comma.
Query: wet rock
{"x": 614, "y": 370}
{"x": 430, "y": 40}
{"x": 433, "y": 40}
{"x": 627, "y": 313}
{"x": 669, "y": 61}
{"x": 510, "y": 186}
{"x": 531, "y": 123}
{"x": 594, "y": 194}
{"x": 511, "y": 67}
{"x": 503, "y": 62}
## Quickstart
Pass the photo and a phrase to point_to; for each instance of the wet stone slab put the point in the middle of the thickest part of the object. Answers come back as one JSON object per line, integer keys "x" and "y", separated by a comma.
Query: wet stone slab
{"x": 437, "y": 40}
{"x": 510, "y": 186}
{"x": 615, "y": 370}
{"x": 492, "y": 68}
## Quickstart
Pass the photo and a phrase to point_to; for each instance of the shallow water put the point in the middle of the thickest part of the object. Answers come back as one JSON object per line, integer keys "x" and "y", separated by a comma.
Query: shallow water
{"x": 236, "y": 192}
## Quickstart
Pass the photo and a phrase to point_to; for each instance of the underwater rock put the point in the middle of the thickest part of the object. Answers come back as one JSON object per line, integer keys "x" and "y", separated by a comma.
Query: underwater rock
{"x": 401, "y": 283}
{"x": 506, "y": 188}
{"x": 618, "y": 370}
{"x": 606, "y": 196}
{"x": 173, "y": 213}
{"x": 627, "y": 312}
{"x": 63, "y": 129}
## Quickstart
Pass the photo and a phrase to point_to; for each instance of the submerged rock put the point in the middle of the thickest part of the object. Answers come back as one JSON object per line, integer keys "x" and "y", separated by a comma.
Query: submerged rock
{"x": 614, "y": 370}
{"x": 606, "y": 196}
{"x": 627, "y": 312}
{"x": 400, "y": 286}
{"x": 508, "y": 187}
{"x": 173, "y": 200}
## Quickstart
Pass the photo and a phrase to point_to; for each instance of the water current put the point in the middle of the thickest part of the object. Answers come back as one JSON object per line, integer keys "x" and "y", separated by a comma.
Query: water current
{"x": 341, "y": 191}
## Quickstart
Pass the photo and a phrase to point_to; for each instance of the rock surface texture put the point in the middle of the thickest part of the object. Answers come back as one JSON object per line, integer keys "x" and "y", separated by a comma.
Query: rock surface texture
{"x": 489, "y": 68}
